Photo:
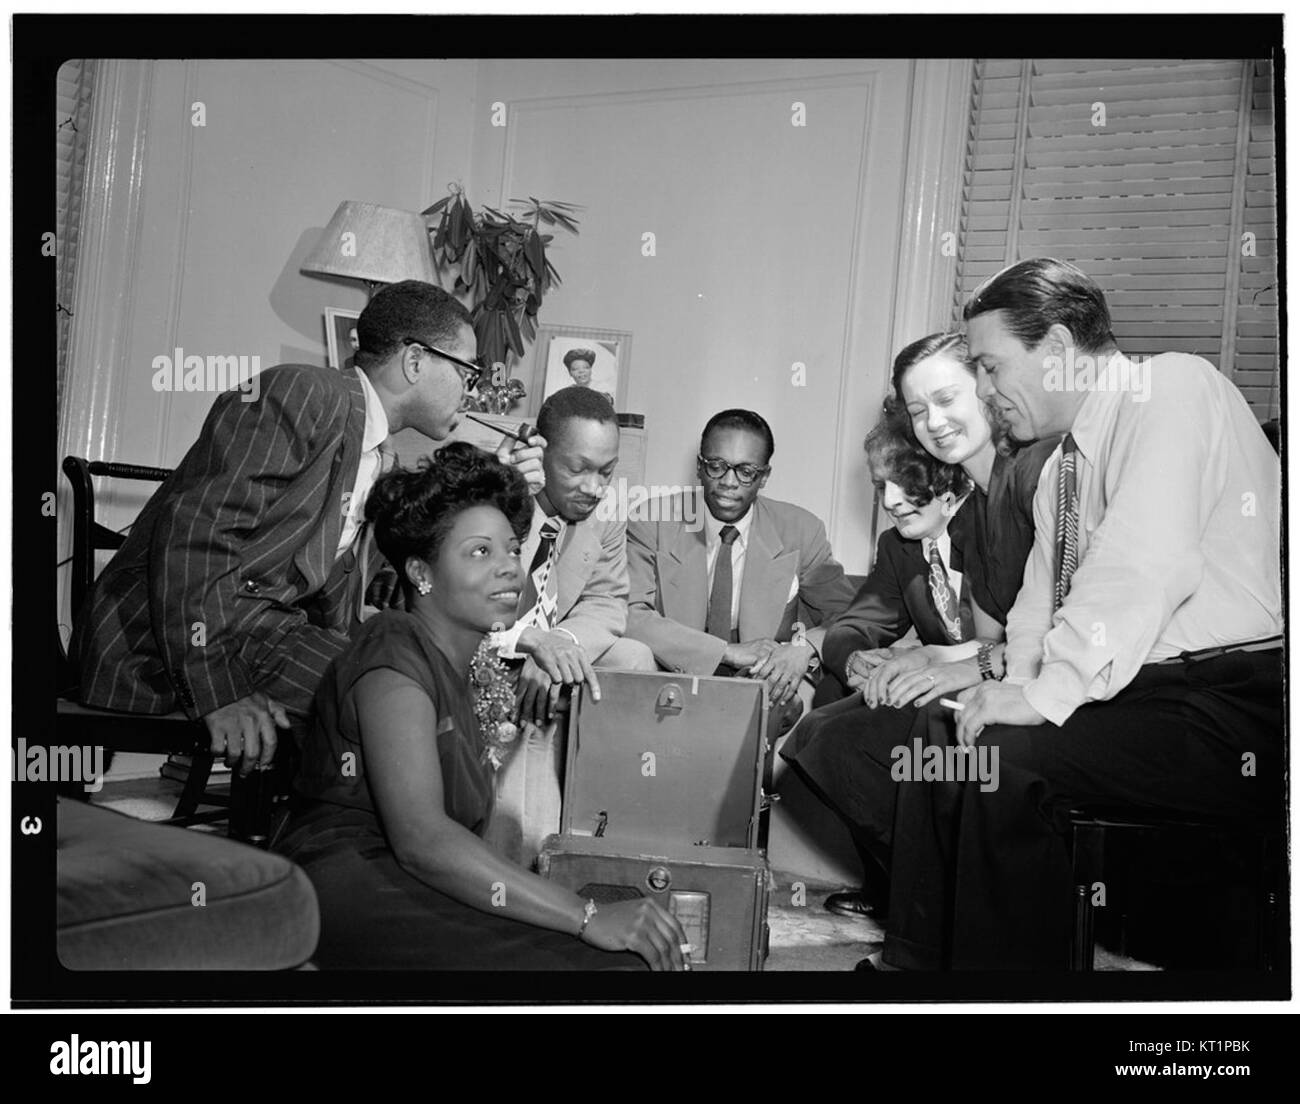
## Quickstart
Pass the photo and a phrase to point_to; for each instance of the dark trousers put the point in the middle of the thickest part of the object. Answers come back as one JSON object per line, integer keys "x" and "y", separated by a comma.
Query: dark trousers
{"x": 981, "y": 879}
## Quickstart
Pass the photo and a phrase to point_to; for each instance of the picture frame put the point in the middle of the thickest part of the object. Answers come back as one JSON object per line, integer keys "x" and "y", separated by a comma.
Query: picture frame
{"x": 340, "y": 341}
{"x": 612, "y": 351}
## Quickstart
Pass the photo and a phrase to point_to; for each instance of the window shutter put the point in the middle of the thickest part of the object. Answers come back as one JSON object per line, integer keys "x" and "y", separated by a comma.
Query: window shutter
{"x": 1146, "y": 174}
{"x": 72, "y": 120}
{"x": 1257, "y": 361}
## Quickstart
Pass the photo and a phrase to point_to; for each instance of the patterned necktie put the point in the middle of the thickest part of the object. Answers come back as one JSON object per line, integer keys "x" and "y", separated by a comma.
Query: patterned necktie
{"x": 718, "y": 621}
{"x": 540, "y": 602}
{"x": 945, "y": 600}
{"x": 1067, "y": 523}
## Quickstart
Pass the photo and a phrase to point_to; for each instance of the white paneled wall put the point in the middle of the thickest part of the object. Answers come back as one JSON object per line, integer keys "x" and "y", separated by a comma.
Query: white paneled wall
{"x": 775, "y": 245}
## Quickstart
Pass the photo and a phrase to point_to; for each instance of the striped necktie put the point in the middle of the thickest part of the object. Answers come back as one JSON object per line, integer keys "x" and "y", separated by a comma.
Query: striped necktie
{"x": 540, "y": 599}
{"x": 1067, "y": 522}
{"x": 945, "y": 600}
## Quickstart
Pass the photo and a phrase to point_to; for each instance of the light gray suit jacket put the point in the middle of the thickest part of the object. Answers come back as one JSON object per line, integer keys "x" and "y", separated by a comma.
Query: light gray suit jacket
{"x": 668, "y": 573}
{"x": 591, "y": 583}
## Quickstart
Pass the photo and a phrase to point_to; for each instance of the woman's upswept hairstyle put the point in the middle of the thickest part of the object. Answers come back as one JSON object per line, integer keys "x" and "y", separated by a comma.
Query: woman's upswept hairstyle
{"x": 1040, "y": 292}
{"x": 895, "y": 455}
{"x": 412, "y": 509}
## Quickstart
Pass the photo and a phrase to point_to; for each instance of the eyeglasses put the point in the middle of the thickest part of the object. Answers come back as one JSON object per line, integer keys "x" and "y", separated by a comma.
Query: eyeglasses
{"x": 470, "y": 373}
{"x": 746, "y": 473}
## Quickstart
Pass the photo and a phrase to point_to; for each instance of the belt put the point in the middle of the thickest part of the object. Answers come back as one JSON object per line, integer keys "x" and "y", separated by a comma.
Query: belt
{"x": 1264, "y": 644}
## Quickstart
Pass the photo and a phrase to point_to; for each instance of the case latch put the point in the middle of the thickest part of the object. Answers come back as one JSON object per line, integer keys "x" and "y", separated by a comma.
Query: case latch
{"x": 669, "y": 700}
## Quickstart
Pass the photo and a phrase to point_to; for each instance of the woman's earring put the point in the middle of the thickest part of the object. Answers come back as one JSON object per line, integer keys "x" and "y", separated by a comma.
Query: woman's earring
{"x": 424, "y": 586}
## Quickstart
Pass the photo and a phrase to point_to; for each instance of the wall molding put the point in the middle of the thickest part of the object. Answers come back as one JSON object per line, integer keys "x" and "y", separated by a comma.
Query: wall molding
{"x": 931, "y": 197}
{"x": 426, "y": 92}
{"x": 867, "y": 81}
{"x": 939, "y": 106}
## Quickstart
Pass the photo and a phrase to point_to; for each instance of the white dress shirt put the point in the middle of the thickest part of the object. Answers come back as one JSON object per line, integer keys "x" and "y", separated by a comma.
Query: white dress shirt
{"x": 1179, "y": 504}
{"x": 373, "y": 435}
{"x": 713, "y": 542}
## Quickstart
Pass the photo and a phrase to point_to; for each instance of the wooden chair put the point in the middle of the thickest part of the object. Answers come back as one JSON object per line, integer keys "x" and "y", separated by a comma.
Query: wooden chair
{"x": 1092, "y": 829}
{"x": 249, "y": 807}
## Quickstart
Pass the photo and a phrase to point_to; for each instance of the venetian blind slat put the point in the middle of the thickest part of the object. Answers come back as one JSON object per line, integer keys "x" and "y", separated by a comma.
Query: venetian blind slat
{"x": 1127, "y": 168}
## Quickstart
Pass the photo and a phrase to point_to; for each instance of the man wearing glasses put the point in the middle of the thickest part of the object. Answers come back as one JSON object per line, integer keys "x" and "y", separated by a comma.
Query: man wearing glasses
{"x": 724, "y": 598}
{"x": 244, "y": 573}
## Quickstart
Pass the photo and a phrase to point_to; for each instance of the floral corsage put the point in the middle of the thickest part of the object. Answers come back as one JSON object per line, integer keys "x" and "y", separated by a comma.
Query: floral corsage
{"x": 494, "y": 703}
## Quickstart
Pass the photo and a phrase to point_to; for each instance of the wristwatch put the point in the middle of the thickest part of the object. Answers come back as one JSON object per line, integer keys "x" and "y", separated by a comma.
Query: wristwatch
{"x": 984, "y": 658}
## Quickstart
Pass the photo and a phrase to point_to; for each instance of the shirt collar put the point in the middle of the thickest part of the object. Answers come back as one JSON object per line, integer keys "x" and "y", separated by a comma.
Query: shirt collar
{"x": 713, "y": 527}
{"x": 944, "y": 543}
{"x": 1097, "y": 409}
{"x": 376, "y": 431}
{"x": 540, "y": 517}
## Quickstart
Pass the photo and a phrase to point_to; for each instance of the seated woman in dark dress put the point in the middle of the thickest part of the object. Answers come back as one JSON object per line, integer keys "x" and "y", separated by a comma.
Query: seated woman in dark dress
{"x": 396, "y": 779}
{"x": 934, "y": 388}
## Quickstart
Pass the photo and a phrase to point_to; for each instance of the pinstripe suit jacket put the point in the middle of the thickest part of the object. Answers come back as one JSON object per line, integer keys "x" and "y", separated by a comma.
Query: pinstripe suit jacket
{"x": 228, "y": 582}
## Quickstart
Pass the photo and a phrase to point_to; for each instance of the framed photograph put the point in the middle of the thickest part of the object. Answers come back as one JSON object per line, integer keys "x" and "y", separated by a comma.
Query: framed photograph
{"x": 341, "y": 336}
{"x": 564, "y": 356}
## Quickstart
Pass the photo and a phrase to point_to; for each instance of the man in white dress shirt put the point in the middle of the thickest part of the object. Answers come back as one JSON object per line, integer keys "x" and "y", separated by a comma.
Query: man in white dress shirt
{"x": 1143, "y": 662}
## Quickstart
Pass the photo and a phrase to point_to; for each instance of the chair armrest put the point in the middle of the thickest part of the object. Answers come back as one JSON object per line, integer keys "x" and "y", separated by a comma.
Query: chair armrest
{"x": 157, "y": 733}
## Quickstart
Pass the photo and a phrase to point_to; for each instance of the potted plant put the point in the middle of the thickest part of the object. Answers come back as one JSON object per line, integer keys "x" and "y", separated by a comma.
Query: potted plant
{"x": 502, "y": 267}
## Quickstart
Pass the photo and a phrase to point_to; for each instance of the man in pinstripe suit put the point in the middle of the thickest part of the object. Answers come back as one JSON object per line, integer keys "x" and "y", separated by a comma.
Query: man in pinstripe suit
{"x": 242, "y": 576}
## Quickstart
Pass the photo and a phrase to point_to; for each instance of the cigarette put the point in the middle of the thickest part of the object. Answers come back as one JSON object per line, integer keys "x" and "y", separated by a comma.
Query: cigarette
{"x": 952, "y": 704}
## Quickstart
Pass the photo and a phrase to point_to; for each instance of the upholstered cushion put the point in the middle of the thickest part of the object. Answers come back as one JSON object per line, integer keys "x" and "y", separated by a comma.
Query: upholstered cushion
{"x": 129, "y": 898}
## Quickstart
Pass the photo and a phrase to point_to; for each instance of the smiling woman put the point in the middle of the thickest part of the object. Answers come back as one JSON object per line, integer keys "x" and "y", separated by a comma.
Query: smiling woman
{"x": 396, "y": 781}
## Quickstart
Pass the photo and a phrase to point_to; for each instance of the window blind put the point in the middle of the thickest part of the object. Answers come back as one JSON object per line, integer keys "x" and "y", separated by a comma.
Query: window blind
{"x": 71, "y": 138}
{"x": 1156, "y": 177}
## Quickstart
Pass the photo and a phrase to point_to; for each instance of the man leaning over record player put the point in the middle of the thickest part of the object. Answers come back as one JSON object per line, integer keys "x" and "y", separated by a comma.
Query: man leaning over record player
{"x": 724, "y": 597}
{"x": 572, "y": 611}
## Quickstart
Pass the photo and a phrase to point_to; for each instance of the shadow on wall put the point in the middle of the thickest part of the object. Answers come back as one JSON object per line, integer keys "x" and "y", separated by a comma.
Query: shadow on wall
{"x": 300, "y": 301}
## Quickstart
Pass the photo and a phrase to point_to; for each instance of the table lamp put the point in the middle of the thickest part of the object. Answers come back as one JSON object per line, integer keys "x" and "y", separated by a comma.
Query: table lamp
{"x": 373, "y": 244}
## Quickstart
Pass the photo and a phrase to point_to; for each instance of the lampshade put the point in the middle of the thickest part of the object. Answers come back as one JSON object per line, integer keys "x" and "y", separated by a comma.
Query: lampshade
{"x": 379, "y": 245}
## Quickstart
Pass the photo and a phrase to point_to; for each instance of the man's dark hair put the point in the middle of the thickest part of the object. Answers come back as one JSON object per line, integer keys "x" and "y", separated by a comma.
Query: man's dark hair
{"x": 894, "y": 454}
{"x": 1036, "y": 294}
{"x": 741, "y": 419}
{"x": 412, "y": 510}
{"x": 411, "y": 309}
{"x": 564, "y": 405}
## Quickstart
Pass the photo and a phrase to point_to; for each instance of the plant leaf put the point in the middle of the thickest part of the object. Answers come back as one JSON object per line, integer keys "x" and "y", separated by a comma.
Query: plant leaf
{"x": 535, "y": 253}
{"x": 437, "y": 206}
{"x": 512, "y": 329}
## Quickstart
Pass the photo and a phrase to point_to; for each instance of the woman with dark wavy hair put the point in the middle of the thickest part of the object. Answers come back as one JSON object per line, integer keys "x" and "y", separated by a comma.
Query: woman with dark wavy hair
{"x": 395, "y": 786}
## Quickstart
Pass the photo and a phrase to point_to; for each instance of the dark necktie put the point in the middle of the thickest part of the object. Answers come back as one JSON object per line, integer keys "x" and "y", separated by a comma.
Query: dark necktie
{"x": 1067, "y": 523}
{"x": 539, "y": 597}
{"x": 718, "y": 622}
{"x": 945, "y": 600}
